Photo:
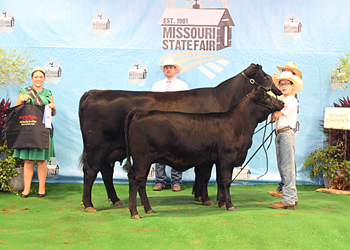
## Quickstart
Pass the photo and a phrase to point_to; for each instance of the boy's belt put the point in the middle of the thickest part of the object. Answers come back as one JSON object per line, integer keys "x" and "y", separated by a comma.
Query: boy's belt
{"x": 282, "y": 130}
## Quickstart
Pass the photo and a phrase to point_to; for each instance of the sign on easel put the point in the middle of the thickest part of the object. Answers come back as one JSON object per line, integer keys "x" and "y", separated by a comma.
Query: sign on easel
{"x": 337, "y": 118}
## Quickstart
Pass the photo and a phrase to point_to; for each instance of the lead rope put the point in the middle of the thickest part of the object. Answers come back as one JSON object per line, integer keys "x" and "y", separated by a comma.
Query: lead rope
{"x": 262, "y": 145}
{"x": 265, "y": 150}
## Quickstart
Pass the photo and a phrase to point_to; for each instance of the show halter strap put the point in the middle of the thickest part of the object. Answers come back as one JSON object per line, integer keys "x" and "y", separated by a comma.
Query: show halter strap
{"x": 37, "y": 100}
{"x": 32, "y": 92}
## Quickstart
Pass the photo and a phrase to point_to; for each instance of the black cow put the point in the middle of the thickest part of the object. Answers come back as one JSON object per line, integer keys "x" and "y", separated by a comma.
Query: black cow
{"x": 184, "y": 140}
{"x": 102, "y": 115}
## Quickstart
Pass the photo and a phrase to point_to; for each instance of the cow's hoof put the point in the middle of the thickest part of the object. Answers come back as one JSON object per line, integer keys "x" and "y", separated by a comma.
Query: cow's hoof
{"x": 136, "y": 217}
{"x": 232, "y": 209}
{"x": 222, "y": 205}
{"x": 90, "y": 210}
{"x": 208, "y": 203}
{"x": 199, "y": 198}
{"x": 150, "y": 212}
{"x": 119, "y": 203}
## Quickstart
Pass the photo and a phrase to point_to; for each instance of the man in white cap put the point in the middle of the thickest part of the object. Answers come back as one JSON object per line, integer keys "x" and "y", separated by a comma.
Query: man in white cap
{"x": 286, "y": 120}
{"x": 293, "y": 68}
{"x": 170, "y": 83}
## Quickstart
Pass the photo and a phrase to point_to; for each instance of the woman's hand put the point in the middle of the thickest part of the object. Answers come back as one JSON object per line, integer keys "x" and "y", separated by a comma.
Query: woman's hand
{"x": 53, "y": 108}
{"x": 22, "y": 99}
{"x": 25, "y": 98}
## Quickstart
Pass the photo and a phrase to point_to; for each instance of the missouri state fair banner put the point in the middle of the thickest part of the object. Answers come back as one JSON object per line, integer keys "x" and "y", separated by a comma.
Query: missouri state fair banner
{"x": 118, "y": 45}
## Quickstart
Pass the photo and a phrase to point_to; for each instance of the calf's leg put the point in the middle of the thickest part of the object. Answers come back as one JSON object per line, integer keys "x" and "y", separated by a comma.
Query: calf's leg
{"x": 226, "y": 174}
{"x": 134, "y": 185}
{"x": 144, "y": 198}
{"x": 220, "y": 195}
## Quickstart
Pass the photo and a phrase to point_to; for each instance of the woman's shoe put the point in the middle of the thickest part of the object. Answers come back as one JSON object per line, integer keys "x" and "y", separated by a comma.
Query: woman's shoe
{"x": 24, "y": 195}
{"x": 41, "y": 195}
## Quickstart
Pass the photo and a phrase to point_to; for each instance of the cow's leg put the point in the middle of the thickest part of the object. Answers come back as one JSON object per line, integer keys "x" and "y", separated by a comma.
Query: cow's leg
{"x": 107, "y": 176}
{"x": 196, "y": 190}
{"x": 204, "y": 179}
{"x": 226, "y": 174}
{"x": 89, "y": 178}
{"x": 200, "y": 187}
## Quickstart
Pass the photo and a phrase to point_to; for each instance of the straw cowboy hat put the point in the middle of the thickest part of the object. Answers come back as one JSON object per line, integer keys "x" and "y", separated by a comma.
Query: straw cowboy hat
{"x": 286, "y": 75}
{"x": 168, "y": 62}
{"x": 293, "y": 67}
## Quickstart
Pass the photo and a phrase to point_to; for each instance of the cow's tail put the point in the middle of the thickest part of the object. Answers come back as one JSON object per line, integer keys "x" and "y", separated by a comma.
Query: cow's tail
{"x": 82, "y": 160}
{"x": 128, "y": 118}
{"x": 83, "y": 156}
{"x": 82, "y": 99}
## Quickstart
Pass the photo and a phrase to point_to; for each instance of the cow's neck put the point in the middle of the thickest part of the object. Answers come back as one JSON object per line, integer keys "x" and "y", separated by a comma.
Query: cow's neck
{"x": 231, "y": 91}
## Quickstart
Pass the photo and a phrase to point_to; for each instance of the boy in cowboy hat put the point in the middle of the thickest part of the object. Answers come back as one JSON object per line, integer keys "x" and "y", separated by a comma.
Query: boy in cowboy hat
{"x": 293, "y": 68}
{"x": 286, "y": 119}
{"x": 170, "y": 83}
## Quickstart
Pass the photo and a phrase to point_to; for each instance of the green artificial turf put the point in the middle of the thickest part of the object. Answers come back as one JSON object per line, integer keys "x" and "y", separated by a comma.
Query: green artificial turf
{"x": 58, "y": 221}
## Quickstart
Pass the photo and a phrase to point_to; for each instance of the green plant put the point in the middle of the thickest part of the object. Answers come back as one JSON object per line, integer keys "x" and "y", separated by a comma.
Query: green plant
{"x": 14, "y": 66}
{"x": 323, "y": 160}
{"x": 7, "y": 167}
{"x": 341, "y": 73}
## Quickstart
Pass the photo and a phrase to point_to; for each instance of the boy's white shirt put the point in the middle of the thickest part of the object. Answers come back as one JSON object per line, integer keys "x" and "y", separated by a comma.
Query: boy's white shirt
{"x": 289, "y": 112}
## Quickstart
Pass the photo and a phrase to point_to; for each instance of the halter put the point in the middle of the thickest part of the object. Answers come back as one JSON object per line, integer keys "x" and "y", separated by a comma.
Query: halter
{"x": 262, "y": 104}
{"x": 252, "y": 82}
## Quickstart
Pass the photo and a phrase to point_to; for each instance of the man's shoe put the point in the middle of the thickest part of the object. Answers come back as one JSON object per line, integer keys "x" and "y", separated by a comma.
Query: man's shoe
{"x": 176, "y": 188}
{"x": 275, "y": 193}
{"x": 158, "y": 188}
{"x": 282, "y": 205}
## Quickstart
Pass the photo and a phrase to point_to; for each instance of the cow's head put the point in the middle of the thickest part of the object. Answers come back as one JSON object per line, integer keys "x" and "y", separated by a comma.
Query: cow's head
{"x": 258, "y": 77}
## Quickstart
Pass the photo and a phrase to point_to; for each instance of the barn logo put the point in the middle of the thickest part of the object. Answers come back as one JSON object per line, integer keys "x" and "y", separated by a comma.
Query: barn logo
{"x": 52, "y": 71}
{"x": 292, "y": 26}
{"x": 52, "y": 167}
{"x": 137, "y": 73}
{"x": 100, "y": 23}
{"x": 241, "y": 173}
{"x": 197, "y": 30}
{"x": 7, "y": 21}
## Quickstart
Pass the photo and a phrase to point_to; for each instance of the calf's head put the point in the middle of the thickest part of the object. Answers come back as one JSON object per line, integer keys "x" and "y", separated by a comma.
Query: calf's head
{"x": 266, "y": 104}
